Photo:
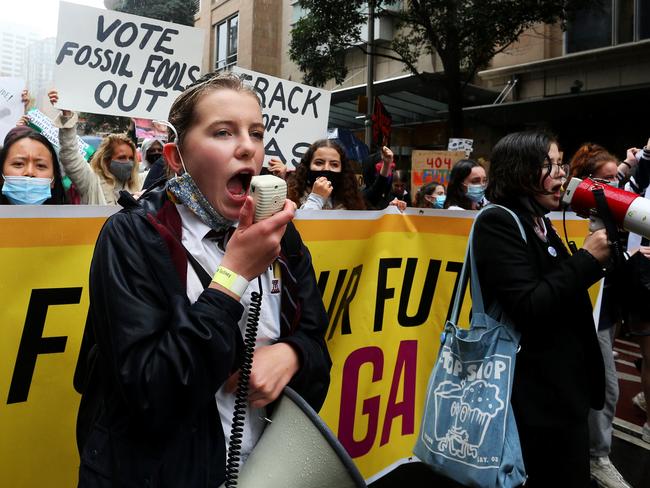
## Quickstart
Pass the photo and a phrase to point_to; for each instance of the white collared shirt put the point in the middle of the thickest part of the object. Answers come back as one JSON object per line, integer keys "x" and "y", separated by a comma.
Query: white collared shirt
{"x": 209, "y": 256}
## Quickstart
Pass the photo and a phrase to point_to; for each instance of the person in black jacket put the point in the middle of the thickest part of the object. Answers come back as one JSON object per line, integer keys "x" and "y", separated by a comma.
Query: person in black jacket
{"x": 543, "y": 290}
{"x": 165, "y": 345}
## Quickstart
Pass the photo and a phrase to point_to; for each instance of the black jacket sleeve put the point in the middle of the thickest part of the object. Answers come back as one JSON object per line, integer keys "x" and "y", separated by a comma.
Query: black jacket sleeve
{"x": 155, "y": 173}
{"x": 509, "y": 270}
{"x": 164, "y": 356}
{"x": 377, "y": 194}
{"x": 313, "y": 377}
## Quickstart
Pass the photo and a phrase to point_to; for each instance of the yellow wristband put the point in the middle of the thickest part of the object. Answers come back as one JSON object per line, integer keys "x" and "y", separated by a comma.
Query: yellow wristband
{"x": 230, "y": 281}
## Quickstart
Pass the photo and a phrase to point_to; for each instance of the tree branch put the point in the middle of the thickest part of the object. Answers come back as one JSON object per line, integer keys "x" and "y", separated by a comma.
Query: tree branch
{"x": 412, "y": 68}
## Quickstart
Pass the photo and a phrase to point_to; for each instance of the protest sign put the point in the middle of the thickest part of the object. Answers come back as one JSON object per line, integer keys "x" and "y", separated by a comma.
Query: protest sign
{"x": 113, "y": 63}
{"x": 428, "y": 166}
{"x": 42, "y": 123}
{"x": 294, "y": 115}
{"x": 11, "y": 106}
{"x": 145, "y": 128}
{"x": 456, "y": 144}
{"x": 387, "y": 297}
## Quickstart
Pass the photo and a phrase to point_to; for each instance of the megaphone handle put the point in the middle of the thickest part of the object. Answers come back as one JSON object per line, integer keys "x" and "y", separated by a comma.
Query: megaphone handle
{"x": 241, "y": 395}
{"x": 595, "y": 222}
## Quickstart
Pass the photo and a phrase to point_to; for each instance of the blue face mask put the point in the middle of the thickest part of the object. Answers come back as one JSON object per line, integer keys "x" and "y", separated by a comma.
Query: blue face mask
{"x": 439, "y": 201}
{"x": 475, "y": 193}
{"x": 24, "y": 190}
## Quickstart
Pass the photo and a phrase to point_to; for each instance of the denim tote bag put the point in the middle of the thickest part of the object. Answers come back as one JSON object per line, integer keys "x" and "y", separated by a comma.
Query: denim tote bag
{"x": 468, "y": 431}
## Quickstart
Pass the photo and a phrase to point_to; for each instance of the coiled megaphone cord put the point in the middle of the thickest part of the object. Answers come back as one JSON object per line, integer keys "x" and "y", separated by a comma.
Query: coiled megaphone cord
{"x": 241, "y": 396}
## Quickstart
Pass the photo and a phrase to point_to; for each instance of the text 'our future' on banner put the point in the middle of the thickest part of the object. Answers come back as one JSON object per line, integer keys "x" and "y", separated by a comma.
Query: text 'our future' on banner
{"x": 114, "y": 63}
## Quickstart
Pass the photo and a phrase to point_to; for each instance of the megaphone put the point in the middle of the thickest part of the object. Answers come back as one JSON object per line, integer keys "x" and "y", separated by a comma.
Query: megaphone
{"x": 629, "y": 210}
{"x": 297, "y": 450}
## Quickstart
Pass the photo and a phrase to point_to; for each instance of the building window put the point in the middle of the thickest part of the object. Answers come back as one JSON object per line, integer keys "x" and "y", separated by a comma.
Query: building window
{"x": 226, "y": 40}
{"x": 608, "y": 24}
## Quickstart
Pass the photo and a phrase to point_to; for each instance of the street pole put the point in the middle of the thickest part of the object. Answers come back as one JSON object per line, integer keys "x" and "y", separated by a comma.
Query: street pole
{"x": 371, "y": 73}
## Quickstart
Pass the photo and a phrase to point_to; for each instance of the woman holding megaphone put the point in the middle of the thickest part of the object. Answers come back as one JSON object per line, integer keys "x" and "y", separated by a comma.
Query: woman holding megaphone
{"x": 543, "y": 290}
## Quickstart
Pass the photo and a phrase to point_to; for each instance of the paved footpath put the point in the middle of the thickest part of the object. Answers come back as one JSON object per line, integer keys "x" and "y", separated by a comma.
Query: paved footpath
{"x": 629, "y": 453}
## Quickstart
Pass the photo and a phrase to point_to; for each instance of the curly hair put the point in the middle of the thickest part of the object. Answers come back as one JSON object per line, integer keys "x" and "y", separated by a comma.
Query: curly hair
{"x": 348, "y": 195}
{"x": 516, "y": 165}
{"x": 456, "y": 194}
{"x": 588, "y": 159}
{"x": 101, "y": 160}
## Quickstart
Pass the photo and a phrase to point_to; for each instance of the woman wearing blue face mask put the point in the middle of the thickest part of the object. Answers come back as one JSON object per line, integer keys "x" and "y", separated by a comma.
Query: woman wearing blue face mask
{"x": 431, "y": 195}
{"x": 113, "y": 167}
{"x": 466, "y": 189}
{"x": 30, "y": 171}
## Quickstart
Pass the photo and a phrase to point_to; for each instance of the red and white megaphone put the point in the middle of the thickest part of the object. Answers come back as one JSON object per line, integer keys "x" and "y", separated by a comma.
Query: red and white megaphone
{"x": 629, "y": 210}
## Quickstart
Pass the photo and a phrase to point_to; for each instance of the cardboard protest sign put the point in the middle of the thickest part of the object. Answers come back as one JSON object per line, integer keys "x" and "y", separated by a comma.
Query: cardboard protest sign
{"x": 41, "y": 122}
{"x": 295, "y": 115}
{"x": 145, "y": 128}
{"x": 428, "y": 166}
{"x": 114, "y": 63}
{"x": 11, "y": 106}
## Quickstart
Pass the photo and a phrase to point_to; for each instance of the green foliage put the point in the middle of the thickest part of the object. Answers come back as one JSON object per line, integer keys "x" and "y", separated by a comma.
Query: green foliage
{"x": 176, "y": 11}
{"x": 320, "y": 40}
{"x": 465, "y": 34}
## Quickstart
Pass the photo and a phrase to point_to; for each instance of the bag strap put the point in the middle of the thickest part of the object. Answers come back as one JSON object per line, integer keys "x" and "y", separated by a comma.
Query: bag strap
{"x": 477, "y": 297}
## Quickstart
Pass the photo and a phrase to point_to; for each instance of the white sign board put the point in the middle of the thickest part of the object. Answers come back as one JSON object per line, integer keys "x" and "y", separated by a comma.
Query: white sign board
{"x": 44, "y": 125}
{"x": 466, "y": 145}
{"x": 113, "y": 63}
{"x": 11, "y": 106}
{"x": 295, "y": 115}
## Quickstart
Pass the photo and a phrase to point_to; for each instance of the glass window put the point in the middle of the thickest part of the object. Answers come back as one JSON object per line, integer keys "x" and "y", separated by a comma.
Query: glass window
{"x": 590, "y": 29}
{"x": 226, "y": 39}
{"x": 644, "y": 18}
{"x": 624, "y": 21}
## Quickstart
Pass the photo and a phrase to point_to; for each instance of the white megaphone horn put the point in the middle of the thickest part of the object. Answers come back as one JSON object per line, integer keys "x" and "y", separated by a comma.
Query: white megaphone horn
{"x": 629, "y": 210}
{"x": 297, "y": 450}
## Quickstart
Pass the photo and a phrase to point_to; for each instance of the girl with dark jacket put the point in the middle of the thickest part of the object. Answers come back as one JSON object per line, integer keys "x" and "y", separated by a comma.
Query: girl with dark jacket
{"x": 543, "y": 290}
{"x": 165, "y": 341}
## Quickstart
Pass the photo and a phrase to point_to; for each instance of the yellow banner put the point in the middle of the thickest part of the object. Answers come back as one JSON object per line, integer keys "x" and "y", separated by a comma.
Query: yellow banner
{"x": 387, "y": 280}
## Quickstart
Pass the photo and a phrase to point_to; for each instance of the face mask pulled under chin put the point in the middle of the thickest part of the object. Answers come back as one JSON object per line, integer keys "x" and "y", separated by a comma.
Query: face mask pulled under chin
{"x": 24, "y": 190}
{"x": 186, "y": 191}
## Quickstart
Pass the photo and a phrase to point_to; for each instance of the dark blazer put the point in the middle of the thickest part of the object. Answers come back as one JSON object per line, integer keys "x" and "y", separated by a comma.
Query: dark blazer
{"x": 559, "y": 370}
{"x": 148, "y": 415}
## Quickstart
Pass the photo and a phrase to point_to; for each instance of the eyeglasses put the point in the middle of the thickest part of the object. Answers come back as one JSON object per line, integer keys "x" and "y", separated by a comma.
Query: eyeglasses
{"x": 550, "y": 167}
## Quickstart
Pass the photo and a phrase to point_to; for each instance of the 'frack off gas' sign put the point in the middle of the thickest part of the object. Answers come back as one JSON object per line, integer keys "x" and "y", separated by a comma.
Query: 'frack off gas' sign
{"x": 294, "y": 115}
{"x": 120, "y": 64}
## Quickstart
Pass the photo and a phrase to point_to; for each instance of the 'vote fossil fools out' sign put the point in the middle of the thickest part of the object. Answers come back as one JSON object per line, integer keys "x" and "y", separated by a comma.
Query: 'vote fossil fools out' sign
{"x": 114, "y": 63}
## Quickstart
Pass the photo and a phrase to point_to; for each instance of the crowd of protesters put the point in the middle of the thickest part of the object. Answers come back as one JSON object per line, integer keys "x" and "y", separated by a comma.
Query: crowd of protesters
{"x": 556, "y": 410}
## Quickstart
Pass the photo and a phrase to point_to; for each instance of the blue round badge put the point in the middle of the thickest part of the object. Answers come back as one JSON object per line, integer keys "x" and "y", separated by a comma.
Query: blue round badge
{"x": 552, "y": 251}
